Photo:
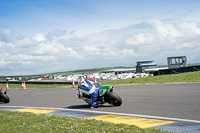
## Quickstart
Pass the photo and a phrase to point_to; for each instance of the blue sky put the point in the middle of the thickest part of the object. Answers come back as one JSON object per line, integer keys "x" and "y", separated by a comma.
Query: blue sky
{"x": 39, "y": 36}
{"x": 90, "y": 16}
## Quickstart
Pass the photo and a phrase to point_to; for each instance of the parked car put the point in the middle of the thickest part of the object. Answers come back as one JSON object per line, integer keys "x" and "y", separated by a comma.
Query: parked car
{"x": 113, "y": 77}
{"x": 104, "y": 76}
{"x": 59, "y": 77}
{"x": 95, "y": 75}
{"x": 136, "y": 75}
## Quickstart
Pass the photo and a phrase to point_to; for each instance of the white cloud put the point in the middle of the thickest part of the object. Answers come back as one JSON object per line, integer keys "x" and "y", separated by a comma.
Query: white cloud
{"x": 59, "y": 50}
{"x": 4, "y": 44}
{"x": 39, "y": 37}
{"x": 8, "y": 36}
{"x": 25, "y": 62}
{"x": 185, "y": 46}
{"x": 91, "y": 50}
{"x": 3, "y": 62}
{"x": 190, "y": 28}
{"x": 26, "y": 42}
{"x": 70, "y": 52}
{"x": 164, "y": 29}
{"x": 140, "y": 39}
{"x": 128, "y": 52}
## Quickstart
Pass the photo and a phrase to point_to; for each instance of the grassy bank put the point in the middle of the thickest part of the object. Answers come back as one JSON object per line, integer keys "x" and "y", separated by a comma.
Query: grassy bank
{"x": 17, "y": 122}
{"x": 173, "y": 78}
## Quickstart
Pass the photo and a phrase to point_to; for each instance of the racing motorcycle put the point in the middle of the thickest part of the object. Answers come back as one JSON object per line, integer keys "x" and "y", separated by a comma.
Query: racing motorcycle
{"x": 105, "y": 95}
{"x": 3, "y": 96}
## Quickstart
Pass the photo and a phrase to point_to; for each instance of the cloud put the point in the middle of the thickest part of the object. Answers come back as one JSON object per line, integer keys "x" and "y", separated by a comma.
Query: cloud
{"x": 3, "y": 62}
{"x": 4, "y": 44}
{"x": 60, "y": 50}
{"x": 140, "y": 39}
{"x": 128, "y": 52}
{"x": 185, "y": 46}
{"x": 58, "y": 34}
{"x": 8, "y": 36}
{"x": 24, "y": 62}
{"x": 164, "y": 29}
{"x": 39, "y": 37}
{"x": 190, "y": 28}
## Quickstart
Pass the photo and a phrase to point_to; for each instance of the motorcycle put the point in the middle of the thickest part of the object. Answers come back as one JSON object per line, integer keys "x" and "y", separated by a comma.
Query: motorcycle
{"x": 3, "y": 96}
{"x": 105, "y": 95}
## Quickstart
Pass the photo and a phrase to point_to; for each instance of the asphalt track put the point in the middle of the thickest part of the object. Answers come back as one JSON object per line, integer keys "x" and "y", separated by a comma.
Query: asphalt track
{"x": 178, "y": 101}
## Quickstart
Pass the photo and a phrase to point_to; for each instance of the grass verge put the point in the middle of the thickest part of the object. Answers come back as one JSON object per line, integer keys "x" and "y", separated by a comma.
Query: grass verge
{"x": 173, "y": 78}
{"x": 18, "y": 122}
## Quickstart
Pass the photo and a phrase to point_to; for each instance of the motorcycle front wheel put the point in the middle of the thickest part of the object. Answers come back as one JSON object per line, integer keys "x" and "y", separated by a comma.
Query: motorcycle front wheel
{"x": 114, "y": 99}
{"x": 4, "y": 98}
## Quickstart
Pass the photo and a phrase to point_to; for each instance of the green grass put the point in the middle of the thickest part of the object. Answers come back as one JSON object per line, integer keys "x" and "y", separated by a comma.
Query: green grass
{"x": 18, "y": 122}
{"x": 173, "y": 78}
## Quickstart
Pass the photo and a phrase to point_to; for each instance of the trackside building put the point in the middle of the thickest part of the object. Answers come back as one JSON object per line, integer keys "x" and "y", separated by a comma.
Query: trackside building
{"x": 142, "y": 65}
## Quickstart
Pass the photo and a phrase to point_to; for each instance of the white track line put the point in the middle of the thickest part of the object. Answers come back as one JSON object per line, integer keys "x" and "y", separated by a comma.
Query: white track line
{"x": 112, "y": 113}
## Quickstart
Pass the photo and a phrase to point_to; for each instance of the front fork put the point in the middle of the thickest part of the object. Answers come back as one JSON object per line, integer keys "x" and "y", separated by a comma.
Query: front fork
{"x": 100, "y": 101}
{"x": 5, "y": 92}
{"x": 111, "y": 89}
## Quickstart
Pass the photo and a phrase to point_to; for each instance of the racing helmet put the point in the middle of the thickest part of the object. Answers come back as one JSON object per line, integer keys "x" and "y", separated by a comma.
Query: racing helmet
{"x": 80, "y": 81}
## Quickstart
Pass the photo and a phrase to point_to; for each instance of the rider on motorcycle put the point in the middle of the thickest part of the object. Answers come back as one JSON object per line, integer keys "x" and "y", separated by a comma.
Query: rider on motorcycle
{"x": 88, "y": 88}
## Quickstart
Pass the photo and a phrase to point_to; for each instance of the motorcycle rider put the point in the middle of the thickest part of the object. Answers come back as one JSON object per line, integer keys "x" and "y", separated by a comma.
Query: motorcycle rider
{"x": 88, "y": 88}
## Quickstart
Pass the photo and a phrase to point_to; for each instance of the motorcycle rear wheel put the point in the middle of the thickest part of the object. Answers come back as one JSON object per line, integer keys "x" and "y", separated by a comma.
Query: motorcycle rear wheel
{"x": 4, "y": 98}
{"x": 114, "y": 99}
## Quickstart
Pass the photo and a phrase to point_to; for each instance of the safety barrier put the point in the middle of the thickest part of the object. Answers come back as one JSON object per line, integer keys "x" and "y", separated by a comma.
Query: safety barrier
{"x": 179, "y": 70}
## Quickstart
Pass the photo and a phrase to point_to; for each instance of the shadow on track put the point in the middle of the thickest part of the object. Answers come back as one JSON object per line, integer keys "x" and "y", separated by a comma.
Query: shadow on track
{"x": 85, "y": 106}
{"x": 78, "y": 107}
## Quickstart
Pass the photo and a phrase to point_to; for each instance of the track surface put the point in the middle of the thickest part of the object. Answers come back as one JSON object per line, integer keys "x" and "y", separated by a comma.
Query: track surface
{"x": 166, "y": 100}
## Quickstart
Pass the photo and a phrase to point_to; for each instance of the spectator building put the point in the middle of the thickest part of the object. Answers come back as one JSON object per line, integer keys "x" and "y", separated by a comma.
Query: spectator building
{"x": 120, "y": 71}
{"x": 177, "y": 62}
{"x": 142, "y": 65}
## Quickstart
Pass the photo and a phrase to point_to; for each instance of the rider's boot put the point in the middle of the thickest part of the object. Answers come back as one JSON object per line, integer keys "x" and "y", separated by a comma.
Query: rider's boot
{"x": 93, "y": 106}
{"x": 93, "y": 103}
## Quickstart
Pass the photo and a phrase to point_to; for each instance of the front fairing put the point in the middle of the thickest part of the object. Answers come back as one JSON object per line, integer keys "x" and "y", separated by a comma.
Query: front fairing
{"x": 104, "y": 90}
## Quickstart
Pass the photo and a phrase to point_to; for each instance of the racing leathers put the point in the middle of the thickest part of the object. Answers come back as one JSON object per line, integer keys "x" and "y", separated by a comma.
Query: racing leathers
{"x": 88, "y": 88}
